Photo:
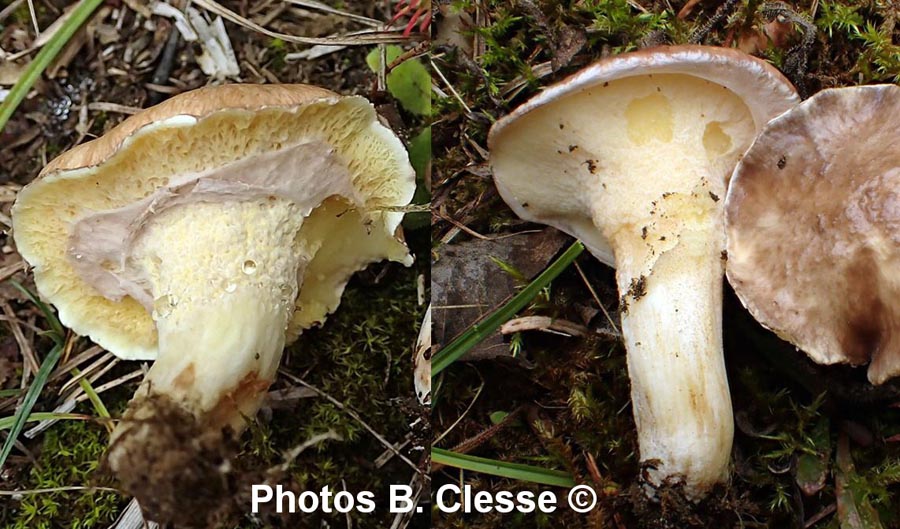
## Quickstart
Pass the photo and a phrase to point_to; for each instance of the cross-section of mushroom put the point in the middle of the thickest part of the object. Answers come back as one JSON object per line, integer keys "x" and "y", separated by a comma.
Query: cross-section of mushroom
{"x": 632, "y": 156}
{"x": 205, "y": 233}
{"x": 813, "y": 226}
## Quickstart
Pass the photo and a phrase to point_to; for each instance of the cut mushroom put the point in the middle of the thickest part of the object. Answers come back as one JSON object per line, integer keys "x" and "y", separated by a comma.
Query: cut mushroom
{"x": 205, "y": 233}
{"x": 632, "y": 156}
{"x": 813, "y": 227}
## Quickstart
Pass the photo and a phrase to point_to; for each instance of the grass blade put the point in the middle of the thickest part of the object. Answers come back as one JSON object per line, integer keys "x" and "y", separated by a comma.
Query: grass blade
{"x": 43, "y": 59}
{"x": 95, "y": 399}
{"x": 8, "y": 422}
{"x": 481, "y": 330}
{"x": 556, "y": 478}
{"x": 58, "y": 333}
{"x": 34, "y": 391}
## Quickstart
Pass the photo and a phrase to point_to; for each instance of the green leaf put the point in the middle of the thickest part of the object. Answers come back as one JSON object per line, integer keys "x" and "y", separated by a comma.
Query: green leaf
{"x": 95, "y": 399}
{"x": 420, "y": 154}
{"x": 409, "y": 82}
{"x": 813, "y": 468}
{"x": 420, "y": 157}
{"x": 478, "y": 332}
{"x": 517, "y": 471}
{"x": 498, "y": 416}
{"x": 58, "y": 333}
{"x": 34, "y": 391}
{"x": 509, "y": 270}
{"x": 43, "y": 59}
{"x": 8, "y": 422}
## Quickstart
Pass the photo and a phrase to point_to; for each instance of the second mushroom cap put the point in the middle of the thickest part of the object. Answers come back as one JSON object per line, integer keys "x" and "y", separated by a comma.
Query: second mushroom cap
{"x": 813, "y": 227}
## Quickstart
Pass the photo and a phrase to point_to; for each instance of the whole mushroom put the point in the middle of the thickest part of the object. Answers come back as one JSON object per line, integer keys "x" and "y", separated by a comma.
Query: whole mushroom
{"x": 632, "y": 155}
{"x": 205, "y": 233}
{"x": 813, "y": 227}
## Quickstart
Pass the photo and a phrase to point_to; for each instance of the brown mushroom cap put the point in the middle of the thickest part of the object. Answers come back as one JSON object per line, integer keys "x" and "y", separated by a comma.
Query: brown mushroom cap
{"x": 813, "y": 227}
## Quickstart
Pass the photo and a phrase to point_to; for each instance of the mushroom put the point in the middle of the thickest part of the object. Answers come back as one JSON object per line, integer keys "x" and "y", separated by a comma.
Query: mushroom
{"x": 813, "y": 228}
{"x": 205, "y": 233}
{"x": 632, "y": 155}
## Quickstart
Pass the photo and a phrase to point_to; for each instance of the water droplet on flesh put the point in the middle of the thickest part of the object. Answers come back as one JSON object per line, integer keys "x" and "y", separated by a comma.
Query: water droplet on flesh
{"x": 249, "y": 267}
{"x": 288, "y": 295}
{"x": 162, "y": 306}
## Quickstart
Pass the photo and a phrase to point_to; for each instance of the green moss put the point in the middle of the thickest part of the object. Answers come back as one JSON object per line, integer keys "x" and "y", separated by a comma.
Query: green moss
{"x": 361, "y": 353}
{"x": 69, "y": 457}
{"x": 22, "y": 15}
{"x": 361, "y": 357}
{"x": 616, "y": 23}
{"x": 867, "y": 26}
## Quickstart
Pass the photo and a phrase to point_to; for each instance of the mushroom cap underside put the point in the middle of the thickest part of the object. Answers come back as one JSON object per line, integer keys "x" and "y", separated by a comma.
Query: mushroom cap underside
{"x": 204, "y": 130}
{"x": 630, "y": 132}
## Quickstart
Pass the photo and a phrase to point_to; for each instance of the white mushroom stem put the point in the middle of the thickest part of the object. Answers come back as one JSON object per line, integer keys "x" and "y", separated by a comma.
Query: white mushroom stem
{"x": 220, "y": 357}
{"x": 672, "y": 330}
{"x": 637, "y": 168}
{"x": 225, "y": 278}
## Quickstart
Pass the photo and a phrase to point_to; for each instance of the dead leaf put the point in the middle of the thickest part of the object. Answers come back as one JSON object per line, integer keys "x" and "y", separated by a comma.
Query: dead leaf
{"x": 777, "y": 33}
{"x": 565, "y": 41}
{"x": 467, "y": 284}
{"x": 10, "y": 360}
{"x": 10, "y": 72}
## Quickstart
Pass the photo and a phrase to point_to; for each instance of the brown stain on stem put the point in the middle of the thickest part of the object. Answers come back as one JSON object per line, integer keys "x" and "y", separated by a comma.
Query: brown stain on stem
{"x": 186, "y": 378}
{"x": 245, "y": 394}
